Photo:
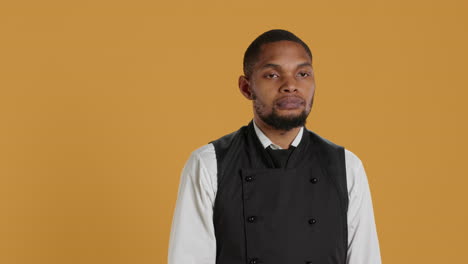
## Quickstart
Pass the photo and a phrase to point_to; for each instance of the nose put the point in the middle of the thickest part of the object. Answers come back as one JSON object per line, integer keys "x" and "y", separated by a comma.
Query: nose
{"x": 289, "y": 85}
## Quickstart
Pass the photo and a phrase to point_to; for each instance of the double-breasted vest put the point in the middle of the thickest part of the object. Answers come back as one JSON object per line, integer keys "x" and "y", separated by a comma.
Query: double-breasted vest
{"x": 291, "y": 215}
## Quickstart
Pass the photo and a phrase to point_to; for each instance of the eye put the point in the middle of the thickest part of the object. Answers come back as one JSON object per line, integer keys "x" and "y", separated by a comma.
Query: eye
{"x": 304, "y": 74}
{"x": 271, "y": 75}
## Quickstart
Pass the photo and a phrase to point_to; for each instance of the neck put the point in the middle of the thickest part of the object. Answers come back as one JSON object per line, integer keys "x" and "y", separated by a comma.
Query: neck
{"x": 281, "y": 138}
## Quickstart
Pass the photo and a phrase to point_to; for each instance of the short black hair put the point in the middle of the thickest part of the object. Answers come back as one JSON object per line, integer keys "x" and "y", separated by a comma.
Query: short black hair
{"x": 253, "y": 51}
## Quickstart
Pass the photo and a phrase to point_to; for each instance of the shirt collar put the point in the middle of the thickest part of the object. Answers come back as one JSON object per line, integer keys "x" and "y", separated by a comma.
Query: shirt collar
{"x": 267, "y": 142}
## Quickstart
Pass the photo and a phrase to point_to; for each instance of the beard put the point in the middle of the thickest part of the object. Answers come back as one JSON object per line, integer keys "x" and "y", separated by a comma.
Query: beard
{"x": 280, "y": 122}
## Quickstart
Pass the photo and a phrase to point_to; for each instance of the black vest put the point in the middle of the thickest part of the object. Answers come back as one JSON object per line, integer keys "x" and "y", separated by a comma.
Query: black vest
{"x": 291, "y": 215}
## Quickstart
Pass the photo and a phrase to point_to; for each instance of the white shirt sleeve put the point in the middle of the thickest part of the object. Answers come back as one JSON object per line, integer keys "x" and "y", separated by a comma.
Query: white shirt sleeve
{"x": 363, "y": 243}
{"x": 192, "y": 238}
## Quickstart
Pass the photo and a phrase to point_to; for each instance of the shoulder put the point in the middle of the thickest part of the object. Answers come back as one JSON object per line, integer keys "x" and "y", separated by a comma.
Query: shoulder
{"x": 352, "y": 160}
{"x": 322, "y": 140}
{"x": 355, "y": 172}
{"x": 208, "y": 153}
{"x": 202, "y": 160}
{"x": 203, "y": 151}
{"x": 204, "y": 155}
{"x": 223, "y": 143}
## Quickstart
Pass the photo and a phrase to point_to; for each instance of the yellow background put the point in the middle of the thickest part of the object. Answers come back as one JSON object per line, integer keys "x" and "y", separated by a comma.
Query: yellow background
{"x": 101, "y": 103}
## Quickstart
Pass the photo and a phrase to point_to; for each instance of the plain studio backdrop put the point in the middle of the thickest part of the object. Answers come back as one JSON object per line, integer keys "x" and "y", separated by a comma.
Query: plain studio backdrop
{"x": 102, "y": 102}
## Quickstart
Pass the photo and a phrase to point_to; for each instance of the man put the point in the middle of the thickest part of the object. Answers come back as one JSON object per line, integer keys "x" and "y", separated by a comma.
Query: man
{"x": 274, "y": 192}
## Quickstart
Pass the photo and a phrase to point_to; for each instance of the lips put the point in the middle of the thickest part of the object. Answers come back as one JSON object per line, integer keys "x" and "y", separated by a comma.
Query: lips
{"x": 289, "y": 102}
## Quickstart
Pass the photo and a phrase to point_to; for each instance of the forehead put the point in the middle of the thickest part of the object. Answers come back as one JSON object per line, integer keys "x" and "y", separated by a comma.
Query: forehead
{"x": 282, "y": 52}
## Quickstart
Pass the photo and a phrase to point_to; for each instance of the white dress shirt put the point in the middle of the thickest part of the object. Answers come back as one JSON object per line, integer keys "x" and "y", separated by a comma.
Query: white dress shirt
{"x": 192, "y": 237}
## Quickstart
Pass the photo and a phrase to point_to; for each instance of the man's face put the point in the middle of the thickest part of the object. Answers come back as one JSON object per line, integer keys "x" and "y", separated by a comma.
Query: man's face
{"x": 282, "y": 85}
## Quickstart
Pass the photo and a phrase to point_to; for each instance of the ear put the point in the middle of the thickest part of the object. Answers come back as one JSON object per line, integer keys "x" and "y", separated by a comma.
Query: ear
{"x": 245, "y": 87}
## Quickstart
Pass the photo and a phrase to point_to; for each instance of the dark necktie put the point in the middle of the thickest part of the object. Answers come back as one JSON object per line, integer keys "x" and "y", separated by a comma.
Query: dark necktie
{"x": 280, "y": 156}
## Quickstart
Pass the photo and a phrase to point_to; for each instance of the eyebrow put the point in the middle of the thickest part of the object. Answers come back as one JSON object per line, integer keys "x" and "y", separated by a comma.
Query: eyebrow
{"x": 272, "y": 65}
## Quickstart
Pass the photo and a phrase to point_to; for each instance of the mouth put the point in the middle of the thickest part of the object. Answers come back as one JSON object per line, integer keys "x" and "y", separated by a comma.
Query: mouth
{"x": 289, "y": 102}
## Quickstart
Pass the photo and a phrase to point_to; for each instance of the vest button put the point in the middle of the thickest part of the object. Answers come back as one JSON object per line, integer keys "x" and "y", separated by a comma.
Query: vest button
{"x": 312, "y": 221}
{"x": 253, "y": 261}
{"x": 249, "y": 178}
{"x": 251, "y": 219}
{"x": 314, "y": 180}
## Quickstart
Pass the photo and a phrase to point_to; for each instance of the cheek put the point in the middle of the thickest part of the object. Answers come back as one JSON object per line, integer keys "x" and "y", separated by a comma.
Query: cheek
{"x": 264, "y": 96}
{"x": 262, "y": 104}
{"x": 311, "y": 91}
{"x": 264, "y": 91}
{"x": 260, "y": 101}
{"x": 310, "y": 97}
